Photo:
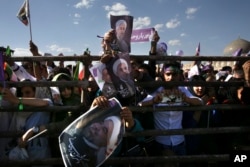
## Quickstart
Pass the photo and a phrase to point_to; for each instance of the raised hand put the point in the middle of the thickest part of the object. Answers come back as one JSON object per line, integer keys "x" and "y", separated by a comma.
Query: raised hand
{"x": 34, "y": 49}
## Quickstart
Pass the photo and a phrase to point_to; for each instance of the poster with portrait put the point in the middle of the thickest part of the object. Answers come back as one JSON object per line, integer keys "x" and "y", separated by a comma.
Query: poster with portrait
{"x": 103, "y": 79}
{"x": 123, "y": 26}
{"x": 92, "y": 138}
{"x": 114, "y": 78}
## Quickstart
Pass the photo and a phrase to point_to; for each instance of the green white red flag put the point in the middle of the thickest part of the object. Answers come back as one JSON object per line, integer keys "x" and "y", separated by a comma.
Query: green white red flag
{"x": 80, "y": 71}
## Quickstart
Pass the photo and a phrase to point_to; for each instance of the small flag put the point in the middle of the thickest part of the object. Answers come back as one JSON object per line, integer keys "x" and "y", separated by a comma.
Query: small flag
{"x": 198, "y": 49}
{"x": 238, "y": 52}
{"x": 75, "y": 76}
{"x": 23, "y": 13}
{"x": 193, "y": 71}
{"x": 79, "y": 71}
{"x": 8, "y": 51}
{"x": 11, "y": 75}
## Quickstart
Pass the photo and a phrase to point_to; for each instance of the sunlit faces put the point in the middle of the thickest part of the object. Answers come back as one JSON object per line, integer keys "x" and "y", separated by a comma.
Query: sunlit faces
{"x": 171, "y": 75}
{"x": 199, "y": 90}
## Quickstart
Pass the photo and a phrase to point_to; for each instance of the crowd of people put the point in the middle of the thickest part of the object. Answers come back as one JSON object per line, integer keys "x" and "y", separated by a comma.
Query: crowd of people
{"x": 32, "y": 123}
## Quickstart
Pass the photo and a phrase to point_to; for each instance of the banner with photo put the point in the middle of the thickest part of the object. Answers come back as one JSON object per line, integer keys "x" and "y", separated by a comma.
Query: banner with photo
{"x": 114, "y": 78}
{"x": 123, "y": 26}
{"x": 92, "y": 138}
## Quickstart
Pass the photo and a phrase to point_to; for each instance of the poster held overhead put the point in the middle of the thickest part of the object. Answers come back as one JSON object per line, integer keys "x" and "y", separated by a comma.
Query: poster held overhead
{"x": 123, "y": 26}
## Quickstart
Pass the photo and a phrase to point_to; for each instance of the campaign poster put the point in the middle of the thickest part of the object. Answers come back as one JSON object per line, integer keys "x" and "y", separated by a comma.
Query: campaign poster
{"x": 103, "y": 79}
{"x": 114, "y": 78}
{"x": 92, "y": 138}
{"x": 142, "y": 35}
{"x": 123, "y": 26}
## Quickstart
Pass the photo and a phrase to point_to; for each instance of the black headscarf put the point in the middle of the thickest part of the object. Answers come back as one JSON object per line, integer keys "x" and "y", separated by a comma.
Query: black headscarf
{"x": 196, "y": 78}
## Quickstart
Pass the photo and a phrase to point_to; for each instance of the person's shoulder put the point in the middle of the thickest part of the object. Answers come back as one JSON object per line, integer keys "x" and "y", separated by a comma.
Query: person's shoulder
{"x": 183, "y": 88}
{"x": 157, "y": 91}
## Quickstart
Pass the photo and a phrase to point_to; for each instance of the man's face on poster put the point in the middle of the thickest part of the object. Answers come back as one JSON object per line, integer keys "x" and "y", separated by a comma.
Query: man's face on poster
{"x": 120, "y": 31}
{"x": 122, "y": 71}
{"x": 97, "y": 134}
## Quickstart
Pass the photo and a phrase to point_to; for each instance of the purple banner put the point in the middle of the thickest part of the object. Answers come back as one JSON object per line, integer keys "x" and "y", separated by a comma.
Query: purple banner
{"x": 142, "y": 35}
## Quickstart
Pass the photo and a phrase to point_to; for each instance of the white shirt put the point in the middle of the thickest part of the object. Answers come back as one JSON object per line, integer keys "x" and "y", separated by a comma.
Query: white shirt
{"x": 164, "y": 120}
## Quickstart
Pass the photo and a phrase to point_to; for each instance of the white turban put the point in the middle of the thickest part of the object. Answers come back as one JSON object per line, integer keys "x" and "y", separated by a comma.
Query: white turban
{"x": 117, "y": 63}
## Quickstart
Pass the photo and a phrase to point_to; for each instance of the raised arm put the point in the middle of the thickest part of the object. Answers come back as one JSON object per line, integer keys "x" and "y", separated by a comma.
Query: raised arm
{"x": 36, "y": 65}
{"x": 9, "y": 96}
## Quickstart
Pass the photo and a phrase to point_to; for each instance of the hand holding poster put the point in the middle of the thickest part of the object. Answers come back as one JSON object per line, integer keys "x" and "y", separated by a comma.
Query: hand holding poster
{"x": 92, "y": 138}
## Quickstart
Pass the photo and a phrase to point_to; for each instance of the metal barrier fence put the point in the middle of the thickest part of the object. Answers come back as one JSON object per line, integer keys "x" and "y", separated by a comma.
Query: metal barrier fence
{"x": 136, "y": 160}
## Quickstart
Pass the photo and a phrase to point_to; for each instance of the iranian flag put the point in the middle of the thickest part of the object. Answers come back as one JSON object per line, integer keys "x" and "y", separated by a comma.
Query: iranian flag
{"x": 80, "y": 71}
